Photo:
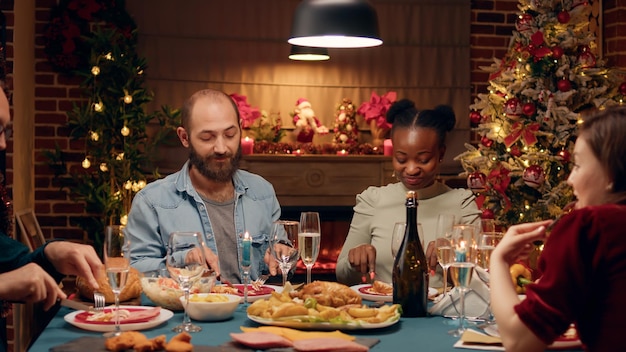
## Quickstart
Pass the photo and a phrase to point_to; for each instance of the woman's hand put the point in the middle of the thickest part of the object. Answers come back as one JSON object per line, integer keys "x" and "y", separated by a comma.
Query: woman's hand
{"x": 362, "y": 258}
{"x": 30, "y": 283}
{"x": 431, "y": 256}
{"x": 517, "y": 242}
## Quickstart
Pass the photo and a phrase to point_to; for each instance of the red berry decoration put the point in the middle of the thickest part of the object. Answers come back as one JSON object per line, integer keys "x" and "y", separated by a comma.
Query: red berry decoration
{"x": 488, "y": 214}
{"x": 477, "y": 182}
{"x": 475, "y": 117}
{"x": 529, "y": 109}
{"x": 622, "y": 88}
{"x": 563, "y": 155}
{"x": 564, "y": 85}
{"x": 486, "y": 142}
{"x": 534, "y": 176}
{"x": 557, "y": 52}
{"x": 563, "y": 17}
{"x": 513, "y": 108}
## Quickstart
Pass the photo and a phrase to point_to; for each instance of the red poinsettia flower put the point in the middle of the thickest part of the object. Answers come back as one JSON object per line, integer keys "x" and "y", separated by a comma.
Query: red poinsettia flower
{"x": 247, "y": 113}
{"x": 376, "y": 109}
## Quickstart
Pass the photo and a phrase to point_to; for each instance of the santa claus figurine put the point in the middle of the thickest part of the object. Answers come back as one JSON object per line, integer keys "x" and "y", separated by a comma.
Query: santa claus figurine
{"x": 307, "y": 125}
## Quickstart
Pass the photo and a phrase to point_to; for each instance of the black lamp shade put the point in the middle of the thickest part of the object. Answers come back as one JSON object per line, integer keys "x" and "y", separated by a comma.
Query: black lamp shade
{"x": 307, "y": 53}
{"x": 335, "y": 24}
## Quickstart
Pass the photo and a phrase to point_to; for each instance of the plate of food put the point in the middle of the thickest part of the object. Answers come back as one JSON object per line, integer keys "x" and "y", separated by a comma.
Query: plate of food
{"x": 321, "y": 306}
{"x": 264, "y": 291}
{"x": 568, "y": 340}
{"x": 381, "y": 291}
{"x": 131, "y": 318}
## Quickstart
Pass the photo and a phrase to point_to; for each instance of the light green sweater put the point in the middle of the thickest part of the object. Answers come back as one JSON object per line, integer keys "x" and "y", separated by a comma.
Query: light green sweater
{"x": 376, "y": 211}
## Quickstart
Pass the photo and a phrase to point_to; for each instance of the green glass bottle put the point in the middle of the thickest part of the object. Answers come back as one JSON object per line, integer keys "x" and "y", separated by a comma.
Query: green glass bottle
{"x": 410, "y": 268}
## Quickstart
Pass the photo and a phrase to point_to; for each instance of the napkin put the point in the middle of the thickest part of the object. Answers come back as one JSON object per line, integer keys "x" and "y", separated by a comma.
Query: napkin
{"x": 294, "y": 335}
{"x": 475, "y": 340}
{"x": 476, "y": 299}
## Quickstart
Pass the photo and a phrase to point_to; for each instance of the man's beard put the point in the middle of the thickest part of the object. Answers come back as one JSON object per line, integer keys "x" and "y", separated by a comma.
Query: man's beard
{"x": 209, "y": 169}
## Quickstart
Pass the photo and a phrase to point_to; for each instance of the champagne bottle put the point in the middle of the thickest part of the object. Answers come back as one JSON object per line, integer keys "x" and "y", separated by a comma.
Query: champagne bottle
{"x": 410, "y": 268}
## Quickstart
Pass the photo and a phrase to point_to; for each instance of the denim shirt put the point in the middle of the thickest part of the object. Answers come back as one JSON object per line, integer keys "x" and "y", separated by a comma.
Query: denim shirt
{"x": 172, "y": 204}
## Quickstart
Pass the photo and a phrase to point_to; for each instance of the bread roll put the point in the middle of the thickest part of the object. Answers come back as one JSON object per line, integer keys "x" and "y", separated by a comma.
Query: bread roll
{"x": 130, "y": 291}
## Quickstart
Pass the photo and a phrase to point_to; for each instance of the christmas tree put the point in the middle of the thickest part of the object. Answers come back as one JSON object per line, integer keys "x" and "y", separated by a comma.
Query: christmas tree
{"x": 527, "y": 122}
{"x": 118, "y": 136}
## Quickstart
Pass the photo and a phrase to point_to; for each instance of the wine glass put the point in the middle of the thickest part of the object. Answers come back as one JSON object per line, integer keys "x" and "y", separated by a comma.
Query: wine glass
{"x": 186, "y": 263}
{"x": 309, "y": 238}
{"x": 284, "y": 245}
{"x": 463, "y": 245}
{"x": 117, "y": 265}
{"x": 397, "y": 237}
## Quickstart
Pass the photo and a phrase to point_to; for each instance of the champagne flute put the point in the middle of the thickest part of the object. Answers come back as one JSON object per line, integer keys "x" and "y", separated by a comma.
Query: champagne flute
{"x": 284, "y": 245}
{"x": 309, "y": 238}
{"x": 117, "y": 265}
{"x": 186, "y": 263}
{"x": 461, "y": 273}
{"x": 397, "y": 236}
{"x": 245, "y": 260}
{"x": 487, "y": 242}
{"x": 445, "y": 256}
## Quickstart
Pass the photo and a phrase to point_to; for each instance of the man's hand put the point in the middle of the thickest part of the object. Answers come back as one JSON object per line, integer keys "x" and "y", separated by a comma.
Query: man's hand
{"x": 30, "y": 283}
{"x": 71, "y": 258}
{"x": 212, "y": 260}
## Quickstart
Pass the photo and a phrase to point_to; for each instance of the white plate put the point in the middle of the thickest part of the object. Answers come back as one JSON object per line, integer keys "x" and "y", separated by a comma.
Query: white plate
{"x": 373, "y": 296}
{"x": 254, "y": 296}
{"x": 324, "y": 325}
{"x": 163, "y": 316}
{"x": 562, "y": 342}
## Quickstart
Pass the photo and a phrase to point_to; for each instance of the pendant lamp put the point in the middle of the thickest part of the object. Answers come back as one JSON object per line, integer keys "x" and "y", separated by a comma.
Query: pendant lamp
{"x": 335, "y": 24}
{"x": 307, "y": 53}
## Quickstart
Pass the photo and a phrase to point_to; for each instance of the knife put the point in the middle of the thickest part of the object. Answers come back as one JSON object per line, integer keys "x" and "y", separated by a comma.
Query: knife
{"x": 76, "y": 305}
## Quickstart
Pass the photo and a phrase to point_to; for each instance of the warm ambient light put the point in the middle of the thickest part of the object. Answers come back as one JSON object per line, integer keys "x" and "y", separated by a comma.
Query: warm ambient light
{"x": 307, "y": 53}
{"x": 335, "y": 24}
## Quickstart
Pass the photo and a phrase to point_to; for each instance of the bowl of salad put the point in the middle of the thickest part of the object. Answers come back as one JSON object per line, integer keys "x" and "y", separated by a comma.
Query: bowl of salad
{"x": 165, "y": 292}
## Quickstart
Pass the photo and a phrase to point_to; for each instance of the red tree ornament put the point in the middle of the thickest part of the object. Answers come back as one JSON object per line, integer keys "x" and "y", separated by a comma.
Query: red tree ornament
{"x": 513, "y": 108}
{"x": 524, "y": 23}
{"x": 557, "y": 52}
{"x": 564, "y": 85}
{"x": 563, "y": 155}
{"x": 529, "y": 109}
{"x": 586, "y": 58}
{"x": 486, "y": 142}
{"x": 477, "y": 182}
{"x": 622, "y": 88}
{"x": 563, "y": 17}
{"x": 534, "y": 176}
{"x": 475, "y": 117}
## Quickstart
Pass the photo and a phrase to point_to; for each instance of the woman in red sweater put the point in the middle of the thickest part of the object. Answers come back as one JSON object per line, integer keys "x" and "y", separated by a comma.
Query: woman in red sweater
{"x": 584, "y": 258}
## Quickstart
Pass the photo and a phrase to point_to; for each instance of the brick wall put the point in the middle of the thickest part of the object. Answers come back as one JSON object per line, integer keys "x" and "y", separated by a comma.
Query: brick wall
{"x": 491, "y": 26}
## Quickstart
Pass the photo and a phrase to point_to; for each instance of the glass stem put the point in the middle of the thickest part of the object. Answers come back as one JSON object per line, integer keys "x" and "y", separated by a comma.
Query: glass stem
{"x": 117, "y": 310}
{"x": 445, "y": 279}
{"x": 462, "y": 313}
{"x": 308, "y": 273}
{"x": 186, "y": 320}
{"x": 285, "y": 271}
{"x": 246, "y": 275}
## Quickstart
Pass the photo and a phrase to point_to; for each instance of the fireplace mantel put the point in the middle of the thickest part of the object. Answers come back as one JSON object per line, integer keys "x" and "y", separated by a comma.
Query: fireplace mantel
{"x": 320, "y": 180}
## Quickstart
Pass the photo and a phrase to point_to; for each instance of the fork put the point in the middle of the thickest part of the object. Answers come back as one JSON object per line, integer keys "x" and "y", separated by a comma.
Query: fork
{"x": 98, "y": 301}
{"x": 256, "y": 284}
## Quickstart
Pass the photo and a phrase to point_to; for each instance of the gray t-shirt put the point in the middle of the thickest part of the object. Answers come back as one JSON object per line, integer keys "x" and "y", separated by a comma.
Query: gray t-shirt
{"x": 222, "y": 216}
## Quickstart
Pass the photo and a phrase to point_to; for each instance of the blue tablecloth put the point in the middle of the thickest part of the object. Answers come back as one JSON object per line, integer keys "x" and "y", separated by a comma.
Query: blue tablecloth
{"x": 409, "y": 334}
{"x": 423, "y": 334}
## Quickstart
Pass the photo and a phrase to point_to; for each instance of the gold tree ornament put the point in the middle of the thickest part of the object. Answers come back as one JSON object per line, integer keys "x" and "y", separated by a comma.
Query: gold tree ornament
{"x": 95, "y": 70}
{"x": 125, "y": 131}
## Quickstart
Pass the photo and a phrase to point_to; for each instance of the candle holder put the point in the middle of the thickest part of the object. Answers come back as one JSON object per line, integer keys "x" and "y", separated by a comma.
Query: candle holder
{"x": 246, "y": 244}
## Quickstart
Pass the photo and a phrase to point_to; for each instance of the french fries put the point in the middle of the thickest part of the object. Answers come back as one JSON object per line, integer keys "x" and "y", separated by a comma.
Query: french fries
{"x": 280, "y": 306}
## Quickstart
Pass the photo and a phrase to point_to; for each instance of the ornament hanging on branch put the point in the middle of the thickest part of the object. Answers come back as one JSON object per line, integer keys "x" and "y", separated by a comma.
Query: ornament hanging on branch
{"x": 477, "y": 182}
{"x": 534, "y": 176}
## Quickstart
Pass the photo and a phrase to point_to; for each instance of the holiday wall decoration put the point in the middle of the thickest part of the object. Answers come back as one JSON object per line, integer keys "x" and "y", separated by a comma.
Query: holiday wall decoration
{"x": 527, "y": 122}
